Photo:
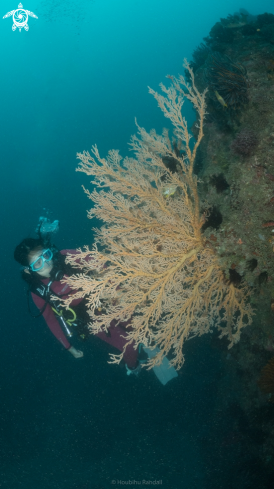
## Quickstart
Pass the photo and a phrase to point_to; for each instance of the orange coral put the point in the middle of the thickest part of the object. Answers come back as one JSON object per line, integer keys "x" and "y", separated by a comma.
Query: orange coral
{"x": 150, "y": 261}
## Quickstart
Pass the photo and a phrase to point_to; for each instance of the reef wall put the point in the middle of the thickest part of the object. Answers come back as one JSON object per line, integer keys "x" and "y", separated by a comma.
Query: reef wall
{"x": 236, "y": 170}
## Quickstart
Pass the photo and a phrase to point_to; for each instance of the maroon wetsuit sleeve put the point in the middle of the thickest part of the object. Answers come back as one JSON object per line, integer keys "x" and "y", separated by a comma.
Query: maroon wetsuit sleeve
{"x": 51, "y": 321}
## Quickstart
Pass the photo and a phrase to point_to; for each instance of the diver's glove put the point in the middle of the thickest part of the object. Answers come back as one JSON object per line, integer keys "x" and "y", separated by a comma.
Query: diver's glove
{"x": 76, "y": 353}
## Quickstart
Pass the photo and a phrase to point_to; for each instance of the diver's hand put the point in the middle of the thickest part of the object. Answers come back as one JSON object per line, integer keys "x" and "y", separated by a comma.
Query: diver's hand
{"x": 76, "y": 353}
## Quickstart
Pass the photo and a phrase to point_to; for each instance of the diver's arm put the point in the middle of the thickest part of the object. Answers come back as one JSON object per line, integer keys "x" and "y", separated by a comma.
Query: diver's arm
{"x": 55, "y": 327}
{"x": 51, "y": 321}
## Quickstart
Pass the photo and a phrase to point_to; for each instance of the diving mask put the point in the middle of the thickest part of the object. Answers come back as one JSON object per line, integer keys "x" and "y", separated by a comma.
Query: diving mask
{"x": 40, "y": 261}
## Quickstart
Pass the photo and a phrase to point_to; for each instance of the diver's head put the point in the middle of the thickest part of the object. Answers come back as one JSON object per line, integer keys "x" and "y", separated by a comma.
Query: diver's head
{"x": 40, "y": 262}
{"x": 35, "y": 257}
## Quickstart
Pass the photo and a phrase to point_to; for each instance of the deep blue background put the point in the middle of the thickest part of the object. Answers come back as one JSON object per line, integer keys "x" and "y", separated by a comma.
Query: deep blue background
{"x": 80, "y": 77}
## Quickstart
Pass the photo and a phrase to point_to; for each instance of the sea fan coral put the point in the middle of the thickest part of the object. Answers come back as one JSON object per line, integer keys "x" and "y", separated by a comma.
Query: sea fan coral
{"x": 244, "y": 143}
{"x": 153, "y": 265}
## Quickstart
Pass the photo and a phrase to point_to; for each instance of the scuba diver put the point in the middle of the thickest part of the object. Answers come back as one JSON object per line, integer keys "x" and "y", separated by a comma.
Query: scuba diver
{"x": 43, "y": 267}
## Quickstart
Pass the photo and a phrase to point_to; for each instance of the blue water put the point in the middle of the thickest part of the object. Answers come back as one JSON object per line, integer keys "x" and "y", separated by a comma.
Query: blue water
{"x": 79, "y": 76}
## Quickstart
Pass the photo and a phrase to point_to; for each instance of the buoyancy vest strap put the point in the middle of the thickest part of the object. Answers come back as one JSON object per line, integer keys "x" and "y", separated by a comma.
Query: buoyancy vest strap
{"x": 41, "y": 291}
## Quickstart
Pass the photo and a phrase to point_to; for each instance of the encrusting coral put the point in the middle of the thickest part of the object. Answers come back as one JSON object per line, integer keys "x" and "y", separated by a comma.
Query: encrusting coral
{"x": 244, "y": 143}
{"x": 150, "y": 261}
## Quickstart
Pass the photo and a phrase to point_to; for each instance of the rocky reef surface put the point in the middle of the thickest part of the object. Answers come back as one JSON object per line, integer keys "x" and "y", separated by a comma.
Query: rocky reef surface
{"x": 235, "y": 166}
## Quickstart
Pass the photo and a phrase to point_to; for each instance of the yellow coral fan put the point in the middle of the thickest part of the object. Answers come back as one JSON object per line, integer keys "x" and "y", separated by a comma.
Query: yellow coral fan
{"x": 150, "y": 261}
